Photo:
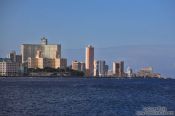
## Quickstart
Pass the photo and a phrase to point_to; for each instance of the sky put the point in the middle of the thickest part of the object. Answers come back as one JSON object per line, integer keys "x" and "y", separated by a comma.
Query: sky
{"x": 140, "y": 32}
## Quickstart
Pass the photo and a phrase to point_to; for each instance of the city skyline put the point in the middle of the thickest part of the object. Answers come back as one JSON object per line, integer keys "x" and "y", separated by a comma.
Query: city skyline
{"x": 138, "y": 32}
{"x": 45, "y": 55}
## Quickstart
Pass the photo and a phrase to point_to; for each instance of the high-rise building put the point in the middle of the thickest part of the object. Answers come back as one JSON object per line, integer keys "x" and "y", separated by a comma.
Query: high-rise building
{"x": 12, "y": 56}
{"x": 129, "y": 72}
{"x": 106, "y": 70}
{"x": 49, "y": 51}
{"x": 118, "y": 68}
{"x": 19, "y": 59}
{"x": 100, "y": 68}
{"x": 43, "y": 55}
{"x": 89, "y": 59}
{"x": 96, "y": 68}
{"x": 83, "y": 66}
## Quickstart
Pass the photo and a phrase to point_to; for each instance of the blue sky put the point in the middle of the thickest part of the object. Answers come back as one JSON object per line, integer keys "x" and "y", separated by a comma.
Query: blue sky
{"x": 102, "y": 23}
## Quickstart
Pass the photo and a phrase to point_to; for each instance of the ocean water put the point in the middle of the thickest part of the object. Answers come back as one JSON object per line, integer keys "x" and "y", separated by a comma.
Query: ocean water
{"x": 83, "y": 96}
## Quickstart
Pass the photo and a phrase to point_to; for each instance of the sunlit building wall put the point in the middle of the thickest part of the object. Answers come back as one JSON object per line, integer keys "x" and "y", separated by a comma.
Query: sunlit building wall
{"x": 49, "y": 51}
{"x": 89, "y": 60}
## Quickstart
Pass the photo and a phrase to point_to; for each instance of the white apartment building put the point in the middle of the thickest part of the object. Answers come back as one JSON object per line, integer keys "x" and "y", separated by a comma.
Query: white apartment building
{"x": 9, "y": 68}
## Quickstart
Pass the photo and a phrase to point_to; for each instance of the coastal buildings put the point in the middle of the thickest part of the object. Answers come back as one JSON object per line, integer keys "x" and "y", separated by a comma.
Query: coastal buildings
{"x": 49, "y": 51}
{"x": 100, "y": 68}
{"x": 79, "y": 66}
{"x": 89, "y": 60}
{"x": 19, "y": 59}
{"x": 147, "y": 72}
{"x": 129, "y": 72}
{"x": 14, "y": 57}
{"x": 8, "y": 67}
{"x": 43, "y": 55}
{"x": 83, "y": 66}
{"x": 60, "y": 63}
{"x": 76, "y": 65}
{"x": 118, "y": 69}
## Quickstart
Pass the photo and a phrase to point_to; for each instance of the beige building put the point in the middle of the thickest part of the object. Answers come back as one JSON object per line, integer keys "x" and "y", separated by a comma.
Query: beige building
{"x": 60, "y": 63}
{"x": 49, "y": 51}
{"x": 89, "y": 60}
{"x": 76, "y": 65}
{"x": 118, "y": 69}
{"x": 9, "y": 68}
{"x": 80, "y": 66}
{"x": 45, "y": 62}
{"x": 43, "y": 55}
{"x": 147, "y": 72}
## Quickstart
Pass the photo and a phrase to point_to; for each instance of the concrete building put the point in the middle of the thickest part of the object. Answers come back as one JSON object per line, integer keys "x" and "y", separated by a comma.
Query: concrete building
{"x": 106, "y": 70}
{"x": 118, "y": 69}
{"x": 49, "y": 51}
{"x": 147, "y": 72}
{"x": 43, "y": 55}
{"x": 9, "y": 68}
{"x": 60, "y": 63}
{"x": 45, "y": 62}
{"x": 19, "y": 59}
{"x": 80, "y": 66}
{"x": 12, "y": 56}
{"x": 96, "y": 68}
{"x": 100, "y": 68}
{"x": 129, "y": 72}
{"x": 83, "y": 66}
{"x": 76, "y": 65}
{"x": 89, "y": 60}
{"x": 110, "y": 73}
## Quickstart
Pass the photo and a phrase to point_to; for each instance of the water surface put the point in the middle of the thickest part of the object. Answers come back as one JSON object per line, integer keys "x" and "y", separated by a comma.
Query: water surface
{"x": 83, "y": 96}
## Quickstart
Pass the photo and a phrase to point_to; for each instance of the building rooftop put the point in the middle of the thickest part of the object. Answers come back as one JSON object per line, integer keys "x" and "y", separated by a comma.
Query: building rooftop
{"x": 90, "y": 46}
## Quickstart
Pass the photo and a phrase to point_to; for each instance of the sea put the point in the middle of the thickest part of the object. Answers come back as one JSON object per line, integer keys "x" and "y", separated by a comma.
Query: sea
{"x": 72, "y": 96}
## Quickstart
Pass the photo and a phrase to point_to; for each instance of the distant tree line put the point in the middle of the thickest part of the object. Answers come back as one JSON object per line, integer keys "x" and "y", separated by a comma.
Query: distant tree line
{"x": 58, "y": 70}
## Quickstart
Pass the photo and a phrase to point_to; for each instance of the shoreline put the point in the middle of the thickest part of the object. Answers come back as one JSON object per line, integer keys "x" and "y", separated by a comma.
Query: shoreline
{"x": 83, "y": 77}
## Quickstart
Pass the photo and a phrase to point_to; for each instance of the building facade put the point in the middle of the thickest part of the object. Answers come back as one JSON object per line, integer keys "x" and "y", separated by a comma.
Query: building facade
{"x": 147, "y": 72}
{"x": 79, "y": 66}
{"x": 49, "y": 51}
{"x": 12, "y": 56}
{"x": 129, "y": 72}
{"x": 100, "y": 68}
{"x": 118, "y": 69}
{"x": 60, "y": 63}
{"x": 9, "y": 68}
{"x": 89, "y": 60}
{"x": 43, "y": 55}
{"x": 76, "y": 65}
